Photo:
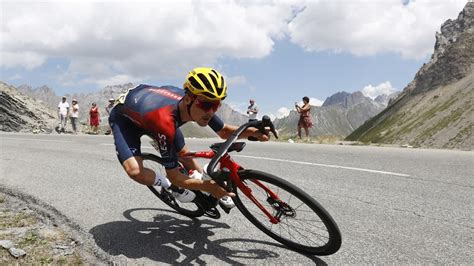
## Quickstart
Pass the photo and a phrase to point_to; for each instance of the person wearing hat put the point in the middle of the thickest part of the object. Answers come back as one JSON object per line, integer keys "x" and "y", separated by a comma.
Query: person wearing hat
{"x": 108, "y": 108}
{"x": 252, "y": 110}
{"x": 63, "y": 110}
{"x": 74, "y": 115}
{"x": 110, "y": 105}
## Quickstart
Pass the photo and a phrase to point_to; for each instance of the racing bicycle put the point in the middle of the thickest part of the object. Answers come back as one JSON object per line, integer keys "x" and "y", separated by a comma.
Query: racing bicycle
{"x": 280, "y": 209}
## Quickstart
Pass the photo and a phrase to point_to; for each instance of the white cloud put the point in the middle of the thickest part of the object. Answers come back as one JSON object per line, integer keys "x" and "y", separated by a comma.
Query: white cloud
{"x": 282, "y": 112}
{"x": 143, "y": 40}
{"x": 369, "y": 27}
{"x": 315, "y": 101}
{"x": 26, "y": 59}
{"x": 164, "y": 39}
{"x": 382, "y": 88}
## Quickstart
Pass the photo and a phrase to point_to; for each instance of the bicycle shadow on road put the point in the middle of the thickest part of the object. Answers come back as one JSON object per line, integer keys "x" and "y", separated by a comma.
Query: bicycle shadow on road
{"x": 168, "y": 239}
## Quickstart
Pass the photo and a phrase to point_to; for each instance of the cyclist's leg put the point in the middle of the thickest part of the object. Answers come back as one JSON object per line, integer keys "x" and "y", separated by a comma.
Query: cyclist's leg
{"x": 127, "y": 145}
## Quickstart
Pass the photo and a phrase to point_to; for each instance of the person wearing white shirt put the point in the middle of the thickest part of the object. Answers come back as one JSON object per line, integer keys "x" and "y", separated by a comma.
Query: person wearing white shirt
{"x": 74, "y": 115}
{"x": 252, "y": 111}
{"x": 63, "y": 110}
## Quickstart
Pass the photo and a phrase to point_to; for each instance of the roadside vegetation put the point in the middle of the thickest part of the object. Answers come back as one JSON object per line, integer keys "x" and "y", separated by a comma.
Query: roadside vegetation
{"x": 26, "y": 237}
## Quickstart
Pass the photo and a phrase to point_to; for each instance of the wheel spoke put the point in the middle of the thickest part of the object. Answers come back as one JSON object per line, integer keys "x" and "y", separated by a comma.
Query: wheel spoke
{"x": 302, "y": 224}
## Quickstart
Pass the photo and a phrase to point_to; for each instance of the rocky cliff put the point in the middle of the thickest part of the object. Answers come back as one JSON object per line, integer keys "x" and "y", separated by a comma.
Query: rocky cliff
{"x": 436, "y": 108}
{"x": 21, "y": 113}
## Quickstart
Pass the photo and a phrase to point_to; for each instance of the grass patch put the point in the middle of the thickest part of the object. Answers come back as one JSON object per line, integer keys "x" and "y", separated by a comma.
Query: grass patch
{"x": 40, "y": 240}
{"x": 443, "y": 123}
{"x": 17, "y": 220}
{"x": 463, "y": 134}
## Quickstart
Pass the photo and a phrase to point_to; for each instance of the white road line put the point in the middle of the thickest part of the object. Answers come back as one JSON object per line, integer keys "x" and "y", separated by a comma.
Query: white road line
{"x": 324, "y": 165}
{"x": 143, "y": 147}
{"x": 45, "y": 140}
{"x": 314, "y": 164}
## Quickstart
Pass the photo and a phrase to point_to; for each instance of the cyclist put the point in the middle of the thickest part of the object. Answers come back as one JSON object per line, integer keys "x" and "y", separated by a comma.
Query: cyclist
{"x": 159, "y": 112}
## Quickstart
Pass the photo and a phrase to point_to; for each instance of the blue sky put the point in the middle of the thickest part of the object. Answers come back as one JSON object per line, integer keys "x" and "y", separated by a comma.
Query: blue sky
{"x": 272, "y": 51}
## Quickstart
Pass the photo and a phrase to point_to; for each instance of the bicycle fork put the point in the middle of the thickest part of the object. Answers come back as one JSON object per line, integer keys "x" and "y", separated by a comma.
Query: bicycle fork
{"x": 272, "y": 199}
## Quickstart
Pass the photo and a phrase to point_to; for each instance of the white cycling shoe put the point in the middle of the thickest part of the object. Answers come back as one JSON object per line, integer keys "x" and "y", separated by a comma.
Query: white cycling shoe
{"x": 227, "y": 202}
{"x": 185, "y": 197}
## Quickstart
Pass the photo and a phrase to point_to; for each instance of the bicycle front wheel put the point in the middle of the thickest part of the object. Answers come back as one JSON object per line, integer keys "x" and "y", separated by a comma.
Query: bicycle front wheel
{"x": 190, "y": 209}
{"x": 303, "y": 224}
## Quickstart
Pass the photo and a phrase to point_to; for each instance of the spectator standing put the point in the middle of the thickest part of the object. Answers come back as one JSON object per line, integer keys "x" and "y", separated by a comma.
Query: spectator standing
{"x": 63, "y": 110}
{"x": 252, "y": 110}
{"x": 108, "y": 108}
{"x": 94, "y": 118}
{"x": 305, "y": 117}
{"x": 74, "y": 116}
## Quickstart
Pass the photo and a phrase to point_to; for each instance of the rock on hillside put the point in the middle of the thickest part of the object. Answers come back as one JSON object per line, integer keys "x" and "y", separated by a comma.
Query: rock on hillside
{"x": 436, "y": 108}
{"x": 453, "y": 55}
{"x": 339, "y": 115}
{"x": 21, "y": 113}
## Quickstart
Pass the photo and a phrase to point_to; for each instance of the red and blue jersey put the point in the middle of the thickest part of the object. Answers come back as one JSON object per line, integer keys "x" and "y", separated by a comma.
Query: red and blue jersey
{"x": 153, "y": 111}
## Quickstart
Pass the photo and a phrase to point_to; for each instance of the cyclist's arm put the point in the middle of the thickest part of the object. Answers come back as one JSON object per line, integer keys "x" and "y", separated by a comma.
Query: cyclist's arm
{"x": 227, "y": 130}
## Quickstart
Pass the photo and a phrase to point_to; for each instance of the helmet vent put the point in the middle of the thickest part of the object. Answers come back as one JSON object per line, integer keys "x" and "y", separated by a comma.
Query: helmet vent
{"x": 204, "y": 80}
{"x": 195, "y": 83}
{"x": 214, "y": 80}
{"x": 220, "y": 88}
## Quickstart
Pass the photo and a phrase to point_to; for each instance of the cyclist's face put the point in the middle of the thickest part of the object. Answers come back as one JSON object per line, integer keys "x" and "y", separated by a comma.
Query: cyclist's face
{"x": 202, "y": 110}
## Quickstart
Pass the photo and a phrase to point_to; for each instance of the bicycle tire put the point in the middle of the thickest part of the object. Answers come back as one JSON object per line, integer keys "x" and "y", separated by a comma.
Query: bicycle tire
{"x": 332, "y": 236}
{"x": 191, "y": 209}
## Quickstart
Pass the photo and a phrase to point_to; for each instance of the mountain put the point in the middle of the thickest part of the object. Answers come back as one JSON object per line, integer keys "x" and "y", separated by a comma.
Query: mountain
{"x": 43, "y": 94}
{"x": 230, "y": 116}
{"x": 385, "y": 99}
{"x": 436, "y": 109}
{"x": 339, "y": 115}
{"x": 22, "y": 113}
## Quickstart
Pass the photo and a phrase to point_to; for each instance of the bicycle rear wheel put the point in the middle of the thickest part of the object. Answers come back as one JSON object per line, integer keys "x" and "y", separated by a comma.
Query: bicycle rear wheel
{"x": 304, "y": 225}
{"x": 191, "y": 209}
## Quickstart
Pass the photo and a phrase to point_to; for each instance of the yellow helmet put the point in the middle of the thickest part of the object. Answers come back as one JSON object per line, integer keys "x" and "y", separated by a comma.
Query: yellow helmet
{"x": 207, "y": 82}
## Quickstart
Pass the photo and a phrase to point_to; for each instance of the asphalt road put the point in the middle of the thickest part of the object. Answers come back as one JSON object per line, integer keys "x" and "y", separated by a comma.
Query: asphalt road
{"x": 393, "y": 205}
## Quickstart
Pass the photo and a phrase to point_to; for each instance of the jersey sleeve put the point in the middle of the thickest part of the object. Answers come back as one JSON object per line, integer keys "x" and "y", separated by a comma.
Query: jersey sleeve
{"x": 216, "y": 123}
